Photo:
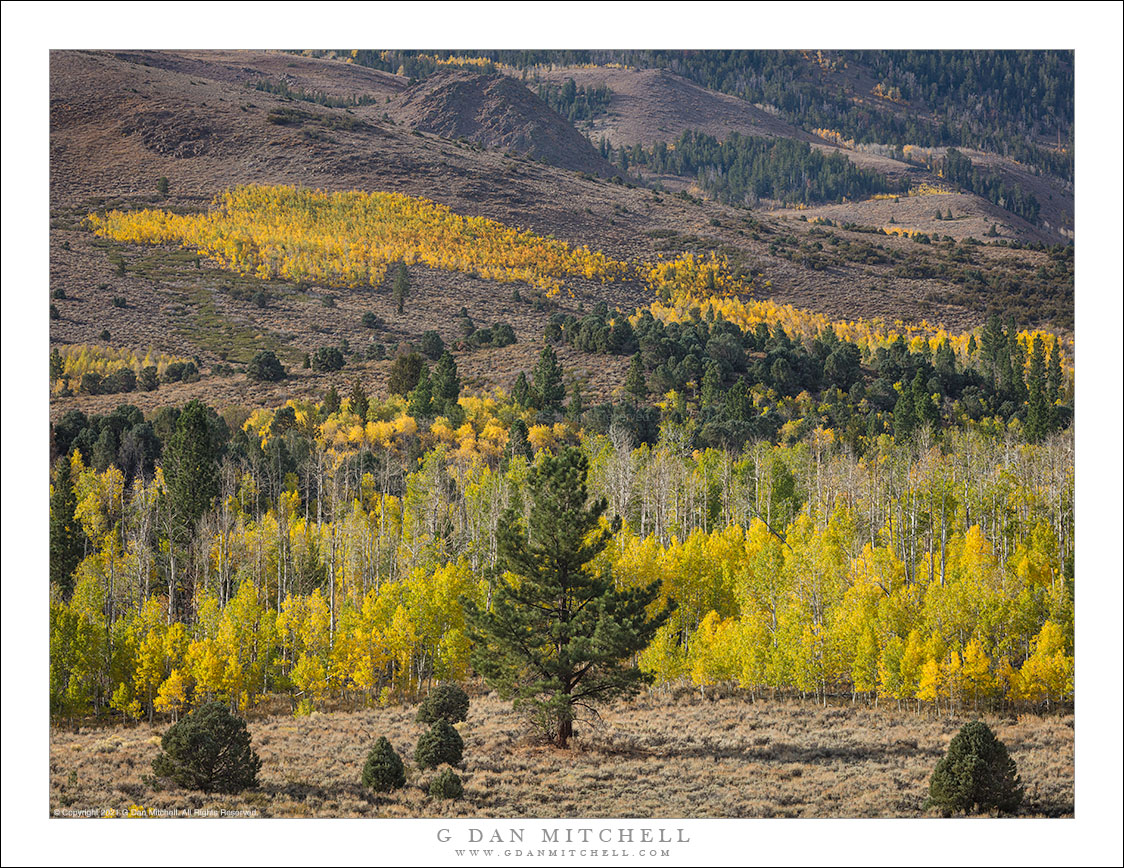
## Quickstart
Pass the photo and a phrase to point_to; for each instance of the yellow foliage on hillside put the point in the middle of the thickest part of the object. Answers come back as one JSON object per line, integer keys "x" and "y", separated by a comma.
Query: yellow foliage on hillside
{"x": 692, "y": 278}
{"x": 349, "y": 239}
{"x": 79, "y": 359}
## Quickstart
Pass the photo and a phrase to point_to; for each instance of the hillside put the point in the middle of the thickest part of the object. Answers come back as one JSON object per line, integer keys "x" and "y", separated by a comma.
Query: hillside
{"x": 498, "y": 113}
{"x": 651, "y": 105}
{"x": 122, "y": 121}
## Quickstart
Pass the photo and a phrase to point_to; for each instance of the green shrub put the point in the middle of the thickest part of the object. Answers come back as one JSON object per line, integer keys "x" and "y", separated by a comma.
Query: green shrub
{"x": 447, "y": 785}
{"x": 327, "y": 359}
{"x": 209, "y": 750}
{"x": 431, "y": 345}
{"x": 383, "y": 770}
{"x": 444, "y": 702}
{"x": 264, "y": 367}
{"x": 976, "y": 774}
{"x": 148, "y": 381}
{"x": 442, "y": 744}
{"x": 121, "y": 380}
{"x": 90, "y": 384}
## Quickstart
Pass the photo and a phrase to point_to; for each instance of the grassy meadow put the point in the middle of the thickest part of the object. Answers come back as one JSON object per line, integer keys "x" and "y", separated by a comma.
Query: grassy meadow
{"x": 664, "y": 754}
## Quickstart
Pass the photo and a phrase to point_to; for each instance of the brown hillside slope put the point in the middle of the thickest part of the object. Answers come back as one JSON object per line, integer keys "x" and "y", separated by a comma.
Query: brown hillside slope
{"x": 654, "y": 105}
{"x": 118, "y": 124}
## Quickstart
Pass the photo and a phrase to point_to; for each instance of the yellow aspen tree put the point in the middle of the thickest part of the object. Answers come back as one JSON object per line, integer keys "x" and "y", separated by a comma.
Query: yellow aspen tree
{"x": 952, "y": 676}
{"x": 172, "y": 696}
{"x": 978, "y": 681}
{"x": 912, "y": 661}
{"x": 665, "y": 657}
{"x": 930, "y": 686}
{"x": 311, "y": 680}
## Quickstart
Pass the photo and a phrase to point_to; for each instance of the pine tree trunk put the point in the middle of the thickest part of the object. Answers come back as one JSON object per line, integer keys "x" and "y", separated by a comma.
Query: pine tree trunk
{"x": 565, "y": 731}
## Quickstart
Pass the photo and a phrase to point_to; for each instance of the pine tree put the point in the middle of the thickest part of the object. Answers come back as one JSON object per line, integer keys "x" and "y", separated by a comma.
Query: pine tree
{"x": 711, "y": 383}
{"x": 993, "y": 341}
{"x": 517, "y": 441}
{"x": 444, "y": 702}
{"x": 264, "y": 367}
{"x": 190, "y": 463}
{"x": 548, "y": 389}
{"x": 925, "y": 412}
{"x": 401, "y": 287}
{"x": 634, "y": 384}
{"x": 1037, "y": 408}
{"x": 944, "y": 362}
{"x": 442, "y": 744}
{"x": 575, "y": 407}
{"x": 1017, "y": 352}
{"x": 66, "y": 533}
{"x": 56, "y": 365}
{"x": 358, "y": 401}
{"x": 977, "y": 773}
{"x": 1054, "y": 382}
{"x": 446, "y": 785}
{"x": 905, "y": 420}
{"x": 557, "y": 636}
{"x": 421, "y": 398}
{"x": 331, "y": 402}
{"x": 209, "y": 750}
{"x": 404, "y": 374}
{"x": 446, "y": 384}
{"x": 383, "y": 771}
{"x": 521, "y": 391}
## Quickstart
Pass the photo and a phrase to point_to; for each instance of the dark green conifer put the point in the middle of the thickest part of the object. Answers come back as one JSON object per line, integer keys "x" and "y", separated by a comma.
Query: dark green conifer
{"x": 446, "y": 384}
{"x": 401, "y": 287}
{"x": 558, "y": 635}
{"x": 977, "y": 774}
{"x": 442, "y": 744}
{"x": 383, "y": 771}
{"x": 521, "y": 391}
{"x": 209, "y": 750}
{"x": 634, "y": 384}
{"x": 548, "y": 390}
{"x": 575, "y": 407}
{"x": 1054, "y": 382}
{"x": 1037, "y": 407}
{"x": 358, "y": 401}
{"x": 905, "y": 419}
{"x": 711, "y": 383}
{"x": 331, "y": 402}
{"x": 191, "y": 470}
{"x": 67, "y": 544}
{"x": 421, "y": 397}
{"x": 925, "y": 411}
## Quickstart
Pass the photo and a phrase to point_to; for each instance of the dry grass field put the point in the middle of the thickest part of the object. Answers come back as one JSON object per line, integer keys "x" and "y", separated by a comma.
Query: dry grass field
{"x": 671, "y": 754}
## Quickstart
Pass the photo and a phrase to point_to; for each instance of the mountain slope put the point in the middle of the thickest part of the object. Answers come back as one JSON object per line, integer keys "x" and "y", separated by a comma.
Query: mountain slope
{"x": 499, "y": 113}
